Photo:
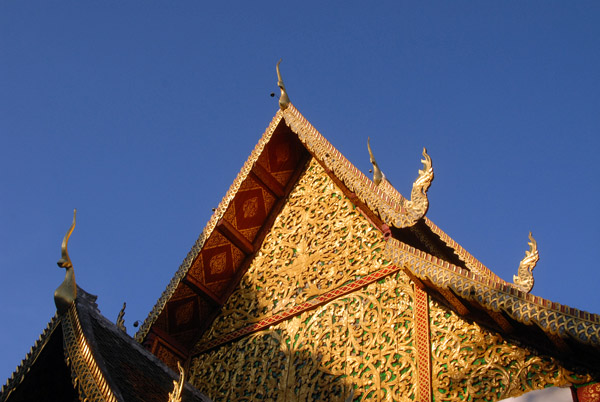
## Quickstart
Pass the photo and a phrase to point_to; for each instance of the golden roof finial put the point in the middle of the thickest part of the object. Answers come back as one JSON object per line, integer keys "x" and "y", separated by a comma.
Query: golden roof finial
{"x": 66, "y": 293}
{"x": 524, "y": 278}
{"x": 284, "y": 99}
{"x": 121, "y": 320}
{"x": 175, "y": 396}
{"x": 378, "y": 175}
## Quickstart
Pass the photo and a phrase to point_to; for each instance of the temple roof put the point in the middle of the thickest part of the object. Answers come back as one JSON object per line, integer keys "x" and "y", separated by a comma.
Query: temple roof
{"x": 104, "y": 362}
{"x": 415, "y": 244}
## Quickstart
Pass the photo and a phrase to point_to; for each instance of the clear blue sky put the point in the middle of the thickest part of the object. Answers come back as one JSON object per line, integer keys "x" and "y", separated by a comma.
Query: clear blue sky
{"x": 140, "y": 114}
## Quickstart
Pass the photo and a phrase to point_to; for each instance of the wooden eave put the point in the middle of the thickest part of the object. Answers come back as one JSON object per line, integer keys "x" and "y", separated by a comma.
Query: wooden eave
{"x": 446, "y": 270}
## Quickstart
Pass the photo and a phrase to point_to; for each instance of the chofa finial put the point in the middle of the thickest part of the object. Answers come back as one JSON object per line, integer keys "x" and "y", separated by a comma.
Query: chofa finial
{"x": 121, "y": 319}
{"x": 175, "y": 396}
{"x": 284, "y": 99}
{"x": 378, "y": 175}
{"x": 66, "y": 293}
{"x": 524, "y": 278}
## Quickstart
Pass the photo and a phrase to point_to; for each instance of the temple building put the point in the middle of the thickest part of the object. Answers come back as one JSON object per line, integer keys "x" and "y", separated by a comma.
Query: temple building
{"x": 313, "y": 281}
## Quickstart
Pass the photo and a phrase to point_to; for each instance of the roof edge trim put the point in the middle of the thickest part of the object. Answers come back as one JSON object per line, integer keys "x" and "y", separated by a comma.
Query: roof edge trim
{"x": 87, "y": 376}
{"x": 140, "y": 336}
{"x": 526, "y": 308}
{"x": 391, "y": 206}
{"x": 19, "y": 374}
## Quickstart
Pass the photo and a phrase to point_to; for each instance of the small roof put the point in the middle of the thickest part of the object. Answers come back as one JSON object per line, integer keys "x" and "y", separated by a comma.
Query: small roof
{"x": 104, "y": 362}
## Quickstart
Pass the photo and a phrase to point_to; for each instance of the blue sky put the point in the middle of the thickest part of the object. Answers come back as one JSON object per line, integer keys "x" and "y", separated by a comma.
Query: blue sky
{"x": 140, "y": 114}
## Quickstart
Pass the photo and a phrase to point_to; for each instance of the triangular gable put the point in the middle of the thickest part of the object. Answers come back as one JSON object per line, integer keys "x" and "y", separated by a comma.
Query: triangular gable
{"x": 410, "y": 244}
{"x": 326, "y": 311}
{"x": 289, "y": 139}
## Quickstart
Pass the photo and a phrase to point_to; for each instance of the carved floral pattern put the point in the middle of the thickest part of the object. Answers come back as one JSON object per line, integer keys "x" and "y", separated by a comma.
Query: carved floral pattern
{"x": 317, "y": 243}
{"x": 472, "y": 362}
{"x": 361, "y": 343}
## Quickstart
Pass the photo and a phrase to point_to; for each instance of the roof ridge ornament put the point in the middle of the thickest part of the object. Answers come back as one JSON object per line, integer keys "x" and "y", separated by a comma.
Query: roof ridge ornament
{"x": 121, "y": 320}
{"x": 66, "y": 293}
{"x": 284, "y": 99}
{"x": 378, "y": 175}
{"x": 419, "y": 203}
{"x": 175, "y": 396}
{"x": 524, "y": 278}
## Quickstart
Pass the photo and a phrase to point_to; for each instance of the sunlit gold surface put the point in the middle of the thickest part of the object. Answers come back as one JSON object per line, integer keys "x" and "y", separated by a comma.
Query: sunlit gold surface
{"x": 175, "y": 396}
{"x": 470, "y": 361}
{"x": 524, "y": 279}
{"x": 318, "y": 242}
{"x": 362, "y": 340}
{"x": 385, "y": 200}
{"x": 87, "y": 376}
{"x": 552, "y": 318}
{"x": 388, "y": 202}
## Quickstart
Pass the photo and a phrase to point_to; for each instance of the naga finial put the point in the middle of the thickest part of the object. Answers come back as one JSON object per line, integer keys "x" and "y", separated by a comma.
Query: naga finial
{"x": 415, "y": 208}
{"x": 524, "y": 278}
{"x": 284, "y": 99}
{"x": 121, "y": 320}
{"x": 378, "y": 175}
{"x": 175, "y": 396}
{"x": 66, "y": 293}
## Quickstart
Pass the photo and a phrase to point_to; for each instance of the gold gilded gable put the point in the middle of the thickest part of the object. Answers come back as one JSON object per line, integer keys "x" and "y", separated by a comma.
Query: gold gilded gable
{"x": 318, "y": 302}
{"x": 469, "y": 361}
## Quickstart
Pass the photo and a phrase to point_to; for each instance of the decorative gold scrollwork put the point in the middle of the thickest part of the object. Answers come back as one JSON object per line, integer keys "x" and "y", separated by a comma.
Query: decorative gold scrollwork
{"x": 387, "y": 202}
{"x": 175, "y": 396}
{"x": 417, "y": 206}
{"x": 524, "y": 279}
{"x": 470, "y": 362}
{"x": 360, "y": 344}
{"x": 317, "y": 243}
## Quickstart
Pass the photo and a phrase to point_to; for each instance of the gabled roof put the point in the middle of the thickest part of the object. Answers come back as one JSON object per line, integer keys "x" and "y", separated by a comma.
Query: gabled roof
{"x": 433, "y": 260}
{"x": 104, "y": 363}
{"x": 40, "y": 358}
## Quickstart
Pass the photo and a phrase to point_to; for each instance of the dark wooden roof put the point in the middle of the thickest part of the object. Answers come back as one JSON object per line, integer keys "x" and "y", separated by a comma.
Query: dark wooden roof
{"x": 131, "y": 372}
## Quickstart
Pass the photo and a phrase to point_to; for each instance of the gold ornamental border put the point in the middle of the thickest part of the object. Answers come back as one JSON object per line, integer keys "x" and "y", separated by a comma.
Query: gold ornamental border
{"x": 296, "y": 310}
{"x": 526, "y": 308}
{"x": 86, "y": 374}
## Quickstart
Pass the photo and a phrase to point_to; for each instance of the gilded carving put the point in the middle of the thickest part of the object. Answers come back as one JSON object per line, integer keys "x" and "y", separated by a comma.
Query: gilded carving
{"x": 217, "y": 263}
{"x": 360, "y": 344}
{"x": 250, "y": 207}
{"x": 551, "y": 317}
{"x": 472, "y": 362}
{"x": 175, "y": 396}
{"x": 317, "y": 243}
{"x": 388, "y": 203}
{"x": 524, "y": 279}
{"x": 86, "y": 375}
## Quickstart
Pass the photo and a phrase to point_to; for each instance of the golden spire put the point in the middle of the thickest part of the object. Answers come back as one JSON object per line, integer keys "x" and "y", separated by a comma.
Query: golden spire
{"x": 175, "y": 396}
{"x": 284, "y": 99}
{"x": 66, "y": 293}
{"x": 524, "y": 278}
{"x": 378, "y": 175}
